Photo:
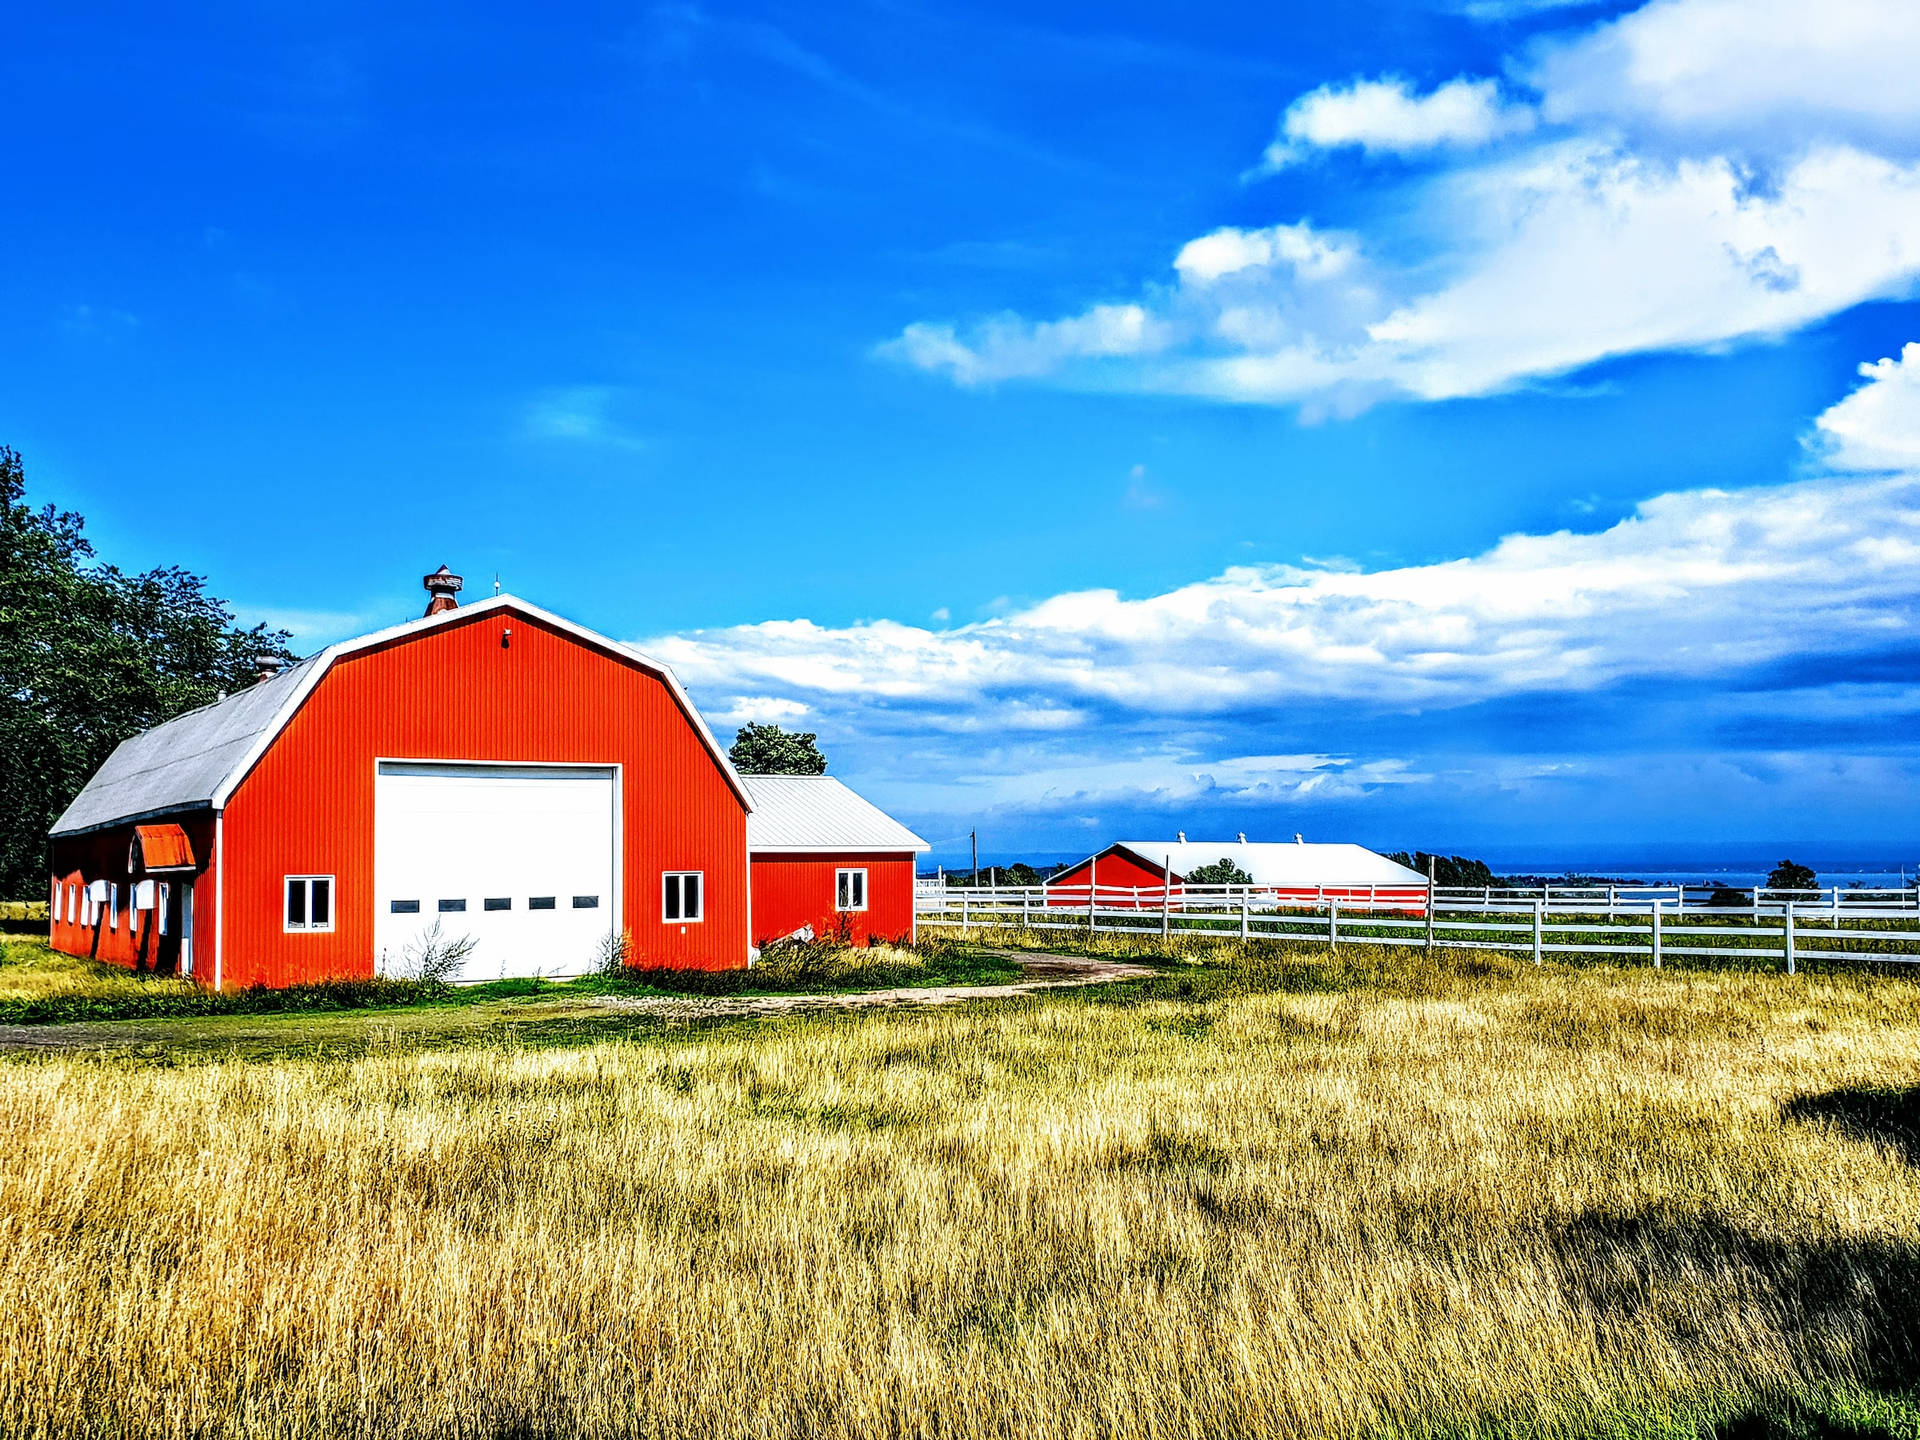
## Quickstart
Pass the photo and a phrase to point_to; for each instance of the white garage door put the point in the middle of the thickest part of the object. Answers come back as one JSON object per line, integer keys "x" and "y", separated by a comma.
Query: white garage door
{"x": 519, "y": 857}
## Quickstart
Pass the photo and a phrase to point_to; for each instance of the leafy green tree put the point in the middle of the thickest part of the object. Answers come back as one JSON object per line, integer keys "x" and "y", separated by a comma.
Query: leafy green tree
{"x": 1789, "y": 876}
{"x": 769, "y": 750}
{"x": 1221, "y": 872}
{"x": 88, "y": 656}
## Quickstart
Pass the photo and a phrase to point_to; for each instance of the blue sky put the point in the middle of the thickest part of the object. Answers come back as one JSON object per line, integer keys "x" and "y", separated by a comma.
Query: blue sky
{"x": 1432, "y": 424}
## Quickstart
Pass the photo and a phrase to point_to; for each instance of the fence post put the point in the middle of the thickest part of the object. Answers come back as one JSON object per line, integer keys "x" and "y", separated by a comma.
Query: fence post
{"x": 1656, "y": 932}
{"x": 1245, "y": 905}
{"x": 1538, "y": 906}
{"x": 1026, "y": 909}
{"x": 1166, "y": 899}
{"x": 1333, "y": 922}
{"x": 965, "y": 922}
{"x": 1609, "y": 902}
{"x": 1789, "y": 928}
{"x": 1093, "y": 897}
{"x": 1429, "y": 919}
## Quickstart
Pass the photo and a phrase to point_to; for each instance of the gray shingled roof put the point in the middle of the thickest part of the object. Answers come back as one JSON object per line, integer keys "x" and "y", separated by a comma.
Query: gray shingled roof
{"x": 817, "y": 812}
{"x": 181, "y": 764}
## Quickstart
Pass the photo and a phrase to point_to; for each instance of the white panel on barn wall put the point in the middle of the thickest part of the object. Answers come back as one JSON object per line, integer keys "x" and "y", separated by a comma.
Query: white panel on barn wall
{"x": 536, "y": 840}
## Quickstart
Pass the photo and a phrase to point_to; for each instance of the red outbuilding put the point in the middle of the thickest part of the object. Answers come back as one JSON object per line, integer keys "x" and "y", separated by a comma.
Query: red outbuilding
{"x": 1139, "y": 872}
{"x": 490, "y": 772}
{"x": 827, "y": 862}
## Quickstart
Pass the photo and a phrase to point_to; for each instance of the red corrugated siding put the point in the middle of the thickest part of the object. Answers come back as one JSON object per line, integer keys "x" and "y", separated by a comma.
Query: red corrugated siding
{"x": 135, "y": 941}
{"x": 1118, "y": 869}
{"x": 794, "y": 890}
{"x": 455, "y": 693}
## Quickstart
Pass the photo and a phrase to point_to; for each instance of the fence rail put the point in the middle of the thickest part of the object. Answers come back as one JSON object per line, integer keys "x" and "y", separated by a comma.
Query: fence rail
{"x": 1618, "y": 921}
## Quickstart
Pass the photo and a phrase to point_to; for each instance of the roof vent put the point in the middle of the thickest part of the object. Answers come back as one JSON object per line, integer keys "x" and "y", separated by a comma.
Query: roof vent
{"x": 1243, "y": 837}
{"x": 442, "y": 585}
{"x": 265, "y": 667}
{"x": 1296, "y": 838}
{"x": 1182, "y": 836}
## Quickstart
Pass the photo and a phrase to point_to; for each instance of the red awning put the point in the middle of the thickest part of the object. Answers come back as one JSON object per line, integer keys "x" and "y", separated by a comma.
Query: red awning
{"x": 161, "y": 847}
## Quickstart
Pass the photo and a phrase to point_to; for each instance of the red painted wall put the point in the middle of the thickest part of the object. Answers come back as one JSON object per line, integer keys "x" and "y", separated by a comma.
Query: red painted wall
{"x": 1112, "y": 870}
{"x": 452, "y": 693}
{"x": 790, "y": 891}
{"x": 132, "y": 937}
{"x": 456, "y": 693}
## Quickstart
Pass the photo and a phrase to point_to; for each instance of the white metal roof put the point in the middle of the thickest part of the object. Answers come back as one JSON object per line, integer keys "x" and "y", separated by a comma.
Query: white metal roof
{"x": 817, "y": 812}
{"x": 1283, "y": 865}
{"x": 196, "y": 760}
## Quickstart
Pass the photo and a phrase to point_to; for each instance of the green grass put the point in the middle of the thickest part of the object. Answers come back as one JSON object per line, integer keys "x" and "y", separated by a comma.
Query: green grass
{"x": 40, "y": 986}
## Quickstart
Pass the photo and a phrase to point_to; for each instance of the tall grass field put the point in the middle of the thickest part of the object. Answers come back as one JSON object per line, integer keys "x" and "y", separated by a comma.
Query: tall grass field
{"x": 1262, "y": 1193}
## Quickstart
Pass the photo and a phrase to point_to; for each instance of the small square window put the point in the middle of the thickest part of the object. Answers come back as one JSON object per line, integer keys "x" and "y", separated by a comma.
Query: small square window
{"x": 586, "y": 902}
{"x": 681, "y": 897}
{"x": 404, "y": 907}
{"x": 496, "y": 902}
{"x": 453, "y": 907}
{"x": 309, "y": 902}
{"x": 850, "y": 890}
{"x": 540, "y": 902}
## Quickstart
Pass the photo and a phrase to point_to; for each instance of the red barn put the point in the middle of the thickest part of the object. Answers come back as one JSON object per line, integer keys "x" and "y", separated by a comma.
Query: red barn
{"x": 494, "y": 771}
{"x": 1297, "y": 872}
{"x": 827, "y": 861}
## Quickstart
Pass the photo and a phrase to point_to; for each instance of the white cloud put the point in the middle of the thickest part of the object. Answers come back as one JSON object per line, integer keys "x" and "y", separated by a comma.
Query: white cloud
{"x": 1386, "y": 117}
{"x": 1569, "y": 254}
{"x": 1774, "y": 195}
{"x": 1877, "y": 427}
{"x": 579, "y": 413}
{"x": 1761, "y": 576}
{"x": 1762, "y": 74}
{"x": 1009, "y": 348}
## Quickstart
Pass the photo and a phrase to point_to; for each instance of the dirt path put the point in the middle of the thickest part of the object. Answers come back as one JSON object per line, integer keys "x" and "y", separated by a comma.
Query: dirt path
{"x": 1042, "y": 972}
{"x": 334, "y": 1028}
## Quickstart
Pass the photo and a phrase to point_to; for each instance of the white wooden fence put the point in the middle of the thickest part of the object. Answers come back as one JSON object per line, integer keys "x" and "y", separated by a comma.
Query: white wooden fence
{"x": 1628, "y": 922}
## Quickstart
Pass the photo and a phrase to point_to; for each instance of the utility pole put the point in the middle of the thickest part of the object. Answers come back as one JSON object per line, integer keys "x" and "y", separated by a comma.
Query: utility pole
{"x": 974, "y": 835}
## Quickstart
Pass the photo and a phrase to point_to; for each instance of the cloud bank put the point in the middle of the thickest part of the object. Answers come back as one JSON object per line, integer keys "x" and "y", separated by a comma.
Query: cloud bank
{"x": 1694, "y": 174}
{"x": 1774, "y": 614}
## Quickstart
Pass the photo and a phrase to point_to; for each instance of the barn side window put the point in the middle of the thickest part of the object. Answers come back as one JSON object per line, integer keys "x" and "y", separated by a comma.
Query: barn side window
{"x": 161, "y": 905}
{"x": 849, "y": 889}
{"x": 309, "y": 902}
{"x": 113, "y": 907}
{"x": 681, "y": 896}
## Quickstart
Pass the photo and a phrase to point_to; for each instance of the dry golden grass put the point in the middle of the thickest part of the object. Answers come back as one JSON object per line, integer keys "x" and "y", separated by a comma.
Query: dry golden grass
{"x": 1272, "y": 1199}
{"x": 31, "y": 970}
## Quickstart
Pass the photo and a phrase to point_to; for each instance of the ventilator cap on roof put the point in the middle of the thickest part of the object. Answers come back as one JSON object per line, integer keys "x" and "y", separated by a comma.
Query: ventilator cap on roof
{"x": 442, "y": 585}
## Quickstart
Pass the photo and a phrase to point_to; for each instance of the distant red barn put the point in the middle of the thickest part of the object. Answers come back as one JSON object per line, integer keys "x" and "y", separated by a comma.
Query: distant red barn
{"x": 1296, "y": 872}
{"x": 493, "y": 772}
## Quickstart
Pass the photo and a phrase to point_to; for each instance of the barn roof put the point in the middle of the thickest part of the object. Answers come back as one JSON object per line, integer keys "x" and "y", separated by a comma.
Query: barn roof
{"x": 196, "y": 760}
{"x": 817, "y": 812}
{"x": 1288, "y": 866}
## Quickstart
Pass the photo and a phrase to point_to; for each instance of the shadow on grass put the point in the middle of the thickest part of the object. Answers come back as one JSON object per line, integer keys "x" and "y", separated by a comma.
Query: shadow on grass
{"x": 1655, "y": 1269}
{"x": 1888, "y": 1115}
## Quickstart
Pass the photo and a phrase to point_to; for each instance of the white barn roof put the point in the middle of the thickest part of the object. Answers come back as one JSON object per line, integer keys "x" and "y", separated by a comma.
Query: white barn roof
{"x": 1281, "y": 865}
{"x": 817, "y": 812}
{"x": 194, "y": 761}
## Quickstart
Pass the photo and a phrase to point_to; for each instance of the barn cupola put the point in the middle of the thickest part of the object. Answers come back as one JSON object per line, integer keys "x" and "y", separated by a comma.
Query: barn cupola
{"x": 442, "y": 585}
{"x": 265, "y": 667}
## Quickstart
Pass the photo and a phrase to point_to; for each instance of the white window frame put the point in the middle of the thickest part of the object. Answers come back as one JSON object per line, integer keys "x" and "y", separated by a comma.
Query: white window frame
{"x": 673, "y": 880}
{"x": 162, "y": 894}
{"x": 309, "y": 928}
{"x": 113, "y": 905}
{"x": 73, "y": 903}
{"x": 840, "y": 887}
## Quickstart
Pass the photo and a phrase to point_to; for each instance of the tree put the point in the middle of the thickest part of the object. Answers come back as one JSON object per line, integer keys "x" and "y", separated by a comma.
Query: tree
{"x": 1450, "y": 871}
{"x": 769, "y": 750}
{"x": 1221, "y": 872}
{"x": 90, "y": 655}
{"x": 1789, "y": 876}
